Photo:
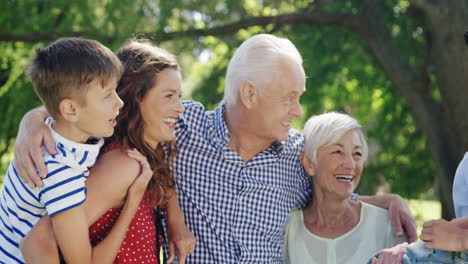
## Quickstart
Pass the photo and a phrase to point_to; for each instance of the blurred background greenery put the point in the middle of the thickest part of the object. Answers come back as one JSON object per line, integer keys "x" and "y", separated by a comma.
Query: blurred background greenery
{"x": 398, "y": 66}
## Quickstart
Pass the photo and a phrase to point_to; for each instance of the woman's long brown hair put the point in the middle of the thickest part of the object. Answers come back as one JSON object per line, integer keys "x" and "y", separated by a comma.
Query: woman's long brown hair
{"x": 142, "y": 62}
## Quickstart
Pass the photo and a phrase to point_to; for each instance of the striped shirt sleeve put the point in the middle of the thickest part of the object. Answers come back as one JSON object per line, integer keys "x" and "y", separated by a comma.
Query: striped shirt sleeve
{"x": 64, "y": 188}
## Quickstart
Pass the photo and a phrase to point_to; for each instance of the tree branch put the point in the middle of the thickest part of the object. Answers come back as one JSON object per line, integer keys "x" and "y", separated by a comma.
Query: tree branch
{"x": 430, "y": 7}
{"x": 344, "y": 19}
{"x": 38, "y": 37}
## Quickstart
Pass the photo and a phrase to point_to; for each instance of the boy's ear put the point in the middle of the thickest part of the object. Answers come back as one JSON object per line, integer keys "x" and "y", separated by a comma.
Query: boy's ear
{"x": 308, "y": 164}
{"x": 247, "y": 94}
{"x": 68, "y": 110}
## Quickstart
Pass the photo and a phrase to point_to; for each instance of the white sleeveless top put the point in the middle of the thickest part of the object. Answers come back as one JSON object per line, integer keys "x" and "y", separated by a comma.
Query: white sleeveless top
{"x": 373, "y": 233}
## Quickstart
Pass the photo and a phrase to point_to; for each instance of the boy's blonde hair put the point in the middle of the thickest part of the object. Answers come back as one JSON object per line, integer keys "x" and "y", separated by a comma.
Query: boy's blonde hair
{"x": 67, "y": 67}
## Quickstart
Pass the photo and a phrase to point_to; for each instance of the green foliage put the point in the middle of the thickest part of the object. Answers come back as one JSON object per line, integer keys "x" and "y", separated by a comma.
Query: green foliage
{"x": 341, "y": 74}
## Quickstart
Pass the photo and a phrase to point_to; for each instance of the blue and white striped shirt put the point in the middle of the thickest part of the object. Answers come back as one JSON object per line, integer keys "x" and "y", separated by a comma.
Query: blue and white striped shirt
{"x": 237, "y": 211}
{"x": 63, "y": 189}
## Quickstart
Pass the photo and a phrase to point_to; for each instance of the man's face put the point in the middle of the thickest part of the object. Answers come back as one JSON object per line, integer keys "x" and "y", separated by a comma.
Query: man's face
{"x": 278, "y": 104}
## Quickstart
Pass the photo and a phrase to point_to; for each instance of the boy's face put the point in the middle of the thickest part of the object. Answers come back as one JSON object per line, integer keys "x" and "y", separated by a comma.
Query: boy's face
{"x": 97, "y": 116}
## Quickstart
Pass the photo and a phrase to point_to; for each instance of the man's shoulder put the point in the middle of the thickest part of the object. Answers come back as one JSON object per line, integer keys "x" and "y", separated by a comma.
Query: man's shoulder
{"x": 193, "y": 106}
{"x": 295, "y": 141}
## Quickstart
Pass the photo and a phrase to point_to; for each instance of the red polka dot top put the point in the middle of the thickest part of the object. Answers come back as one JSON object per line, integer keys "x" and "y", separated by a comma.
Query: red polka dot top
{"x": 139, "y": 244}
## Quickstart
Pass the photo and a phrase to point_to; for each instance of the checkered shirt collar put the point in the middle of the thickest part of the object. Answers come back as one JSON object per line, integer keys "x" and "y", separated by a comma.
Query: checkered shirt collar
{"x": 221, "y": 133}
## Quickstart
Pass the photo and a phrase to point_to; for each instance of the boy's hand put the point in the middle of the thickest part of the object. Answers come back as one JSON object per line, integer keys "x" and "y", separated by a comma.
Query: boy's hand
{"x": 181, "y": 242}
{"x": 138, "y": 187}
{"x": 443, "y": 235}
{"x": 32, "y": 134}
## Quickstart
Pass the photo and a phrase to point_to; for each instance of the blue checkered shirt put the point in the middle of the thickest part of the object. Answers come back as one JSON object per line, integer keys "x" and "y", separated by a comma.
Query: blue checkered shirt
{"x": 237, "y": 211}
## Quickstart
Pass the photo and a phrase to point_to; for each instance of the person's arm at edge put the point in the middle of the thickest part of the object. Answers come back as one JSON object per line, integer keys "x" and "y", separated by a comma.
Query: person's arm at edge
{"x": 32, "y": 134}
{"x": 181, "y": 241}
{"x": 400, "y": 214}
{"x": 105, "y": 191}
{"x": 446, "y": 235}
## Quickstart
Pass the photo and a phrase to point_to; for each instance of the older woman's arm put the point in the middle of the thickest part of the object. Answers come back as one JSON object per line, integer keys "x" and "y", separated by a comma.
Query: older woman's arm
{"x": 400, "y": 214}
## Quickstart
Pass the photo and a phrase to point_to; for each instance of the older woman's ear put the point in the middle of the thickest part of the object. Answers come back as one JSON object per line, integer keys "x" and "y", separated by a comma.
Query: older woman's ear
{"x": 308, "y": 164}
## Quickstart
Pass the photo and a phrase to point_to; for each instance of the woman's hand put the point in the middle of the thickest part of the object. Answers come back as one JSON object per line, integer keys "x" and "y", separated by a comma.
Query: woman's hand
{"x": 392, "y": 255}
{"x": 181, "y": 241}
{"x": 32, "y": 134}
{"x": 138, "y": 187}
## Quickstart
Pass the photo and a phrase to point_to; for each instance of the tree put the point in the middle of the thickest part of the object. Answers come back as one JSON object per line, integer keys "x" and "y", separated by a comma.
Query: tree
{"x": 415, "y": 97}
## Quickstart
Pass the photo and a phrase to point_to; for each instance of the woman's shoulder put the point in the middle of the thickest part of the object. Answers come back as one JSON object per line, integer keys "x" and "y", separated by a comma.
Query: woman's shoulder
{"x": 377, "y": 213}
{"x": 118, "y": 166}
{"x": 295, "y": 219}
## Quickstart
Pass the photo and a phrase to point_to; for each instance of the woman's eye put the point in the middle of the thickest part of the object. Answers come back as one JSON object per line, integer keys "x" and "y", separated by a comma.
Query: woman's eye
{"x": 358, "y": 154}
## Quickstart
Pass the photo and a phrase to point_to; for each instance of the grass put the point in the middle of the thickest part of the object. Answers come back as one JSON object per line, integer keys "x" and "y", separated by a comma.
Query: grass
{"x": 424, "y": 210}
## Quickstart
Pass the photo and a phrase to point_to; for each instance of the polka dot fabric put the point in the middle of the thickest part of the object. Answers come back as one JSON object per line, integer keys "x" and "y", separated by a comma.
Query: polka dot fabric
{"x": 139, "y": 244}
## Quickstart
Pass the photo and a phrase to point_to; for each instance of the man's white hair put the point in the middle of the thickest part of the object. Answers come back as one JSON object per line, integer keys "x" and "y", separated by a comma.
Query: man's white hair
{"x": 257, "y": 61}
{"x": 326, "y": 129}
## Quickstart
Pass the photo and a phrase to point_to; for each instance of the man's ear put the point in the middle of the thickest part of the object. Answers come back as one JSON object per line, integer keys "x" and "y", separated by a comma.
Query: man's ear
{"x": 247, "y": 94}
{"x": 68, "y": 110}
{"x": 309, "y": 166}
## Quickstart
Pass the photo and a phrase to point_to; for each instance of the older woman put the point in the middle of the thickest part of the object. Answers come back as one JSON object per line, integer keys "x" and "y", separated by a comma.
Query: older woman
{"x": 333, "y": 228}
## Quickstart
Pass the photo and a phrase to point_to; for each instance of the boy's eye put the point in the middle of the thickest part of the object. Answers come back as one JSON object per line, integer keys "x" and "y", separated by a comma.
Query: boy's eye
{"x": 337, "y": 152}
{"x": 107, "y": 95}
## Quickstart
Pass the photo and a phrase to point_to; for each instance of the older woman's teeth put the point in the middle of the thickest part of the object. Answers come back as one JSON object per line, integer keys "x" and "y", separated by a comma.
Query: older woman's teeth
{"x": 286, "y": 123}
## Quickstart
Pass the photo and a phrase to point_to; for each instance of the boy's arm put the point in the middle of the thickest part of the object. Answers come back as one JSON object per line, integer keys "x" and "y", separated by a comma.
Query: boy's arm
{"x": 444, "y": 235}
{"x": 181, "y": 241}
{"x": 71, "y": 231}
{"x": 40, "y": 245}
{"x": 32, "y": 134}
{"x": 400, "y": 214}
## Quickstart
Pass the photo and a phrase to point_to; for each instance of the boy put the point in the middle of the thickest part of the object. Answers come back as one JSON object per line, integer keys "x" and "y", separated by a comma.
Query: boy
{"x": 76, "y": 81}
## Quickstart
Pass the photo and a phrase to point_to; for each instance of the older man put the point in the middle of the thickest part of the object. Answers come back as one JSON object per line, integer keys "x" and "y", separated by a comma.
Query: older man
{"x": 238, "y": 169}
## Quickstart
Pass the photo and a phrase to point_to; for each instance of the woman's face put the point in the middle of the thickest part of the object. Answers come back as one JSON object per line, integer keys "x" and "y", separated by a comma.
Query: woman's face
{"x": 160, "y": 107}
{"x": 339, "y": 166}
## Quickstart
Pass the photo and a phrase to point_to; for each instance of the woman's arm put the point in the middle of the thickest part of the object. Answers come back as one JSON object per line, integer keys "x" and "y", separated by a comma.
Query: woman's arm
{"x": 181, "y": 241}
{"x": 32, "y": 134}
{"x": 400, "y": 214}
{"x": 106, "y": 189}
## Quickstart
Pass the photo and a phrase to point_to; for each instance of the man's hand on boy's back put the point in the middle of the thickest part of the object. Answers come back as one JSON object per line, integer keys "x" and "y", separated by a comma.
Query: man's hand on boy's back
{"x": 32, "y": 134}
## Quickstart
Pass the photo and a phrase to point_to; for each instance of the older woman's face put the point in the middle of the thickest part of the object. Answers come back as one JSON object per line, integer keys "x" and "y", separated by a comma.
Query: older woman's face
{"x": 339, "y": 166}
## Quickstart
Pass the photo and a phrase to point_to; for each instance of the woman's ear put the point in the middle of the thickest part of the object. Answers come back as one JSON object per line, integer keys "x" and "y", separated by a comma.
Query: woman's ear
{"x": 68, "y": 110}
{"x": 247, "y": 94}
{"x": 308, "y": 164}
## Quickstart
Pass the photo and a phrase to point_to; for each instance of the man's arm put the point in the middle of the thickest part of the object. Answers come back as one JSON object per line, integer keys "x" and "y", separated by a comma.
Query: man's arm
{"x": 445, "y": 235}
{"x": 400, "y": 214}
{"x": 32, "y": 134}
